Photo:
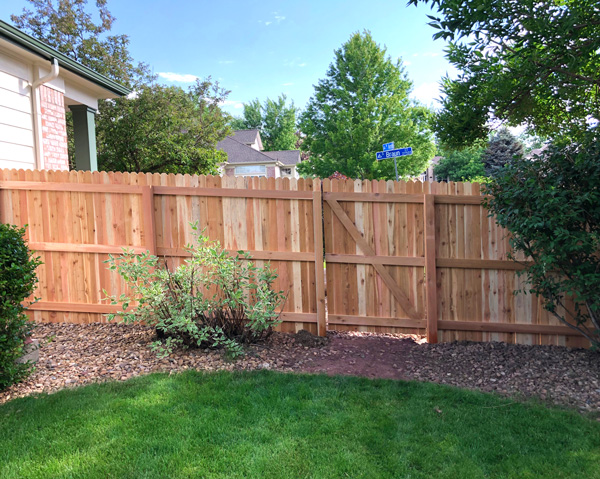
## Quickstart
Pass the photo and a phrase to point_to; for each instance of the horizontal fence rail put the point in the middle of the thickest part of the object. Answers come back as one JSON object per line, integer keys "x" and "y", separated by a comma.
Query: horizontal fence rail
{"x": 376, "y": 256}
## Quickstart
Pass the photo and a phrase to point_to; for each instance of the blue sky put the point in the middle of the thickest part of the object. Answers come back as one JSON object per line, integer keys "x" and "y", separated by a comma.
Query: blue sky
{"x": 259, "y": 49}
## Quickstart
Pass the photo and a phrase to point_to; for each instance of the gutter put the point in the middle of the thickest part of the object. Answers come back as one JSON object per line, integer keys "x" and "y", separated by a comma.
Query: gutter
{"x": 37, "y": 121}
{"x": 17, "y": 37}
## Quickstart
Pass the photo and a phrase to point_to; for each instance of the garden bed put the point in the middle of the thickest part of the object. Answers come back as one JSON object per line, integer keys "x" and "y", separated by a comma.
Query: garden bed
{"x": 72, "y": 355}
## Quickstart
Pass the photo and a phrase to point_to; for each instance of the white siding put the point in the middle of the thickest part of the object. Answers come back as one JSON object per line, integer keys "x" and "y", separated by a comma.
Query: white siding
{"x": 16, "y": 123}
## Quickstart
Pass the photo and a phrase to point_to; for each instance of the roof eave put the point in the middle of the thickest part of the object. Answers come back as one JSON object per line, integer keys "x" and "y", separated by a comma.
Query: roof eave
{"x": 27, "y": 42}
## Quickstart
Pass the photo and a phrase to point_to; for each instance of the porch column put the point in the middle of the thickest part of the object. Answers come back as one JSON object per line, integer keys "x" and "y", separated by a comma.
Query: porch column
{"x": 84, "y": 128}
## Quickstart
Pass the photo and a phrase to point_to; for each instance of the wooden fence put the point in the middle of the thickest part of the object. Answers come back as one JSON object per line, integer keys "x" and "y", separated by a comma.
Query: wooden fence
{"x": 400, "y": 256}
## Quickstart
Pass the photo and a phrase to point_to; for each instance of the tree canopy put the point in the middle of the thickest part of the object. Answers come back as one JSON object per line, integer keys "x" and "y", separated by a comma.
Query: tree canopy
{"x": 275, "y": 120}
{"x": 164, "y": 130}
{"x": 461, "y": 165}
{"x": 533, "y": 62}
{"x": 362, "y": 104}
{"x": 69, "y": 27}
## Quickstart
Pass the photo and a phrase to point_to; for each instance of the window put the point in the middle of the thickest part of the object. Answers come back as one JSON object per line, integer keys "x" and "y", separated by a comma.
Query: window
{"x": 286, "y": 171}
{"x": 251, "y": 170}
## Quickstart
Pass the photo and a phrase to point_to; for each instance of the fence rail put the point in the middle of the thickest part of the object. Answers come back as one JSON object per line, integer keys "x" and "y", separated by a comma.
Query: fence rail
{"x": 399, "y": 256}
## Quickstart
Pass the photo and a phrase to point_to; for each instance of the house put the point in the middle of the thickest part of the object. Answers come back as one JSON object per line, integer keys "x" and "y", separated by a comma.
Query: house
{"x": 37, "y": 85}
{"x": 245, "y": 157}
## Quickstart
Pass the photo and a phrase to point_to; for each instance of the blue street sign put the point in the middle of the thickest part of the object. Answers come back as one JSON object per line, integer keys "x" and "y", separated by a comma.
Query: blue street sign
{"x": 388, "y": 146}
{"x": 382, "y": 155}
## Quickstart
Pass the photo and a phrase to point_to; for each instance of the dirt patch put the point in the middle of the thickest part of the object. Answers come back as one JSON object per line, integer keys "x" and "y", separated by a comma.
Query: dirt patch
{"x": 72, "y": 355}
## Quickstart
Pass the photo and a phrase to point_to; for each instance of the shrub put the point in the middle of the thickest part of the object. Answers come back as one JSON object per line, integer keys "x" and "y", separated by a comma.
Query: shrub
{"x": 551, "y": 206}
{"x": 17, "y": 281}
{"x": 212, "y": 300}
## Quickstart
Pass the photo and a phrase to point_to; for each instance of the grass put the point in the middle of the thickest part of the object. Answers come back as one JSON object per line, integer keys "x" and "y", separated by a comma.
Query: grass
{"x": 271, "y": 425}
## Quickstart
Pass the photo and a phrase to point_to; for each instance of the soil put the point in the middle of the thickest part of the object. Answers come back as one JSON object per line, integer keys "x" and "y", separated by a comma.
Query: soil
{"x": 72, "y": 355}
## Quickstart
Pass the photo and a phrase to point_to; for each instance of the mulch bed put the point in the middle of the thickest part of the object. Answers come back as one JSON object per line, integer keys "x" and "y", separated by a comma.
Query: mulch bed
{"x": 73, "y": 355}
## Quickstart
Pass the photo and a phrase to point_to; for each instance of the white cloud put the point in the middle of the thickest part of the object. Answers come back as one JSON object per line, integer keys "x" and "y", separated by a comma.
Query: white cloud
{"x": 276, "y": 18}
{"x": 407, "y": 63}
{"x": 178, "y": 77}
{"x": 225, "y": 62}
{"x": 427, "y": 93}
{"x": 233, "y": 103}
{"x": 288, "y": 84}
{"x": 296, "y": 62}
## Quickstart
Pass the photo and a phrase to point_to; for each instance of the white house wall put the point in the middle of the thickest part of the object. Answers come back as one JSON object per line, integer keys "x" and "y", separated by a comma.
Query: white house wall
{"x": 16, "y": 121}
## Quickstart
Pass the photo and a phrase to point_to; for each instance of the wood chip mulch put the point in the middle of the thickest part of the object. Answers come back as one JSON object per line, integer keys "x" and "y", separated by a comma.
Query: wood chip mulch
{"x": 72, "y": 355}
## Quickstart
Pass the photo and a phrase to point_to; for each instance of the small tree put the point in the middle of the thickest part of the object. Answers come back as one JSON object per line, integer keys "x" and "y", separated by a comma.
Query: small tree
{"x": 502, "y": 148}
{"x": 17, "y": 281}
{"x": 551, "y": 206}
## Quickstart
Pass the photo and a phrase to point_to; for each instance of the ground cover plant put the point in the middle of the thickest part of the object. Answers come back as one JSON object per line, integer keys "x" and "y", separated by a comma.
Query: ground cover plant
{"x": 17, "y": 281}
{"x": 213, "y": 299}
{"x": 273, "y": 425}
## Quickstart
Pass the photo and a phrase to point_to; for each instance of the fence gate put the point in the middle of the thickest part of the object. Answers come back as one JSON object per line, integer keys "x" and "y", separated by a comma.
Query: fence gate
{"x": 375, "y": 256}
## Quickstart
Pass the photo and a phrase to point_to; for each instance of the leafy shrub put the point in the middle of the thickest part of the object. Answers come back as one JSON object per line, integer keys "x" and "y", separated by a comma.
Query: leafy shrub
{"x": 551, "y": 206}
{"x": 17, "y": 281}
{"x": 212, "y": 300}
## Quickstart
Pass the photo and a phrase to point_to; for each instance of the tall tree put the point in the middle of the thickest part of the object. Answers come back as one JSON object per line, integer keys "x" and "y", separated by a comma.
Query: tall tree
{"x": 361, "y": 104}
{"x": 69, "y": 27}
{"x": 275, "y": 120}
{"x": 534, "y": 62}
{"x": 164, "y": 129}
{"x": 502, "y": 148}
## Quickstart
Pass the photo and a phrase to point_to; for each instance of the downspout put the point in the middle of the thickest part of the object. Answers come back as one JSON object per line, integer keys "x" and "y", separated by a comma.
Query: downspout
{"x": 37, "y": 122}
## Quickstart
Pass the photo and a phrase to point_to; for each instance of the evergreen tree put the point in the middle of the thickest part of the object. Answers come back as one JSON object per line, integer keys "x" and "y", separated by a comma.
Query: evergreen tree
{"x": 502, "y": 149}
{"x": 362, "y": 104}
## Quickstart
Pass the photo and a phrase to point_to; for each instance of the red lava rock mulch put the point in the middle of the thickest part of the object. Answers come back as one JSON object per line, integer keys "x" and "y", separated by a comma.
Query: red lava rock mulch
{"x": 79, "y": 354}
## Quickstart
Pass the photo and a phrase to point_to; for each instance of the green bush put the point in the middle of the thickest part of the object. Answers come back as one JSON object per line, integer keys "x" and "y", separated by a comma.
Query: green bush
{"x": 212, "y": 300}
{"x": 17, "y": 281}
{"x": 551, "y": 206}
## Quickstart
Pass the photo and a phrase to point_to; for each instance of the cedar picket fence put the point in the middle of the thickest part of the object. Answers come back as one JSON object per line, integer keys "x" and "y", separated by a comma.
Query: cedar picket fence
{"x": 405, "y": 257}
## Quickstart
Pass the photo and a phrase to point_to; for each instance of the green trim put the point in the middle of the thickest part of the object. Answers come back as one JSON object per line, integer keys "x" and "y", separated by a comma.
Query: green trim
{"x": 17, "y": 37}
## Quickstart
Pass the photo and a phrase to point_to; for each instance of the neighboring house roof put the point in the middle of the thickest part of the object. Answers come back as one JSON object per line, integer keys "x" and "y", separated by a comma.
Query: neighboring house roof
{"x": 248, "y": 137}
{"x": 238, "y": 152}
{"x": 287, "y": 157}
{"x": 17, "y": 37}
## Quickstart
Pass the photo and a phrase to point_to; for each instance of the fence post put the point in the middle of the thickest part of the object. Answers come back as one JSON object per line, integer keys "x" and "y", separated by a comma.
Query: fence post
{"x": 430, "y": 268}
{"x": 148, "y": 212}
{"x": 319, "y": 266}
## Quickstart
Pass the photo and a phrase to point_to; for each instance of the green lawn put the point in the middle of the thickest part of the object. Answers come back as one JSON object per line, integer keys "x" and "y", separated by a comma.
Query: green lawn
{"x": 271, "y": 425}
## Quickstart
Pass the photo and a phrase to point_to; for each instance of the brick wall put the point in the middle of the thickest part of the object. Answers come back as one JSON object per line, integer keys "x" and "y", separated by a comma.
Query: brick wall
{"x": 54, "y": 129}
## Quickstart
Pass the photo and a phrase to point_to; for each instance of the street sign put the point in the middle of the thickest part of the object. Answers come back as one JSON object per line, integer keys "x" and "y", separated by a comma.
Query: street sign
{"x": 388, "y": 146}
{"x": 382, "y": 155}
